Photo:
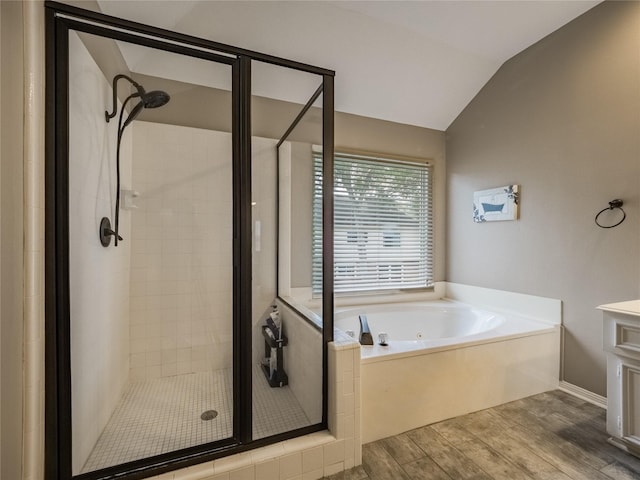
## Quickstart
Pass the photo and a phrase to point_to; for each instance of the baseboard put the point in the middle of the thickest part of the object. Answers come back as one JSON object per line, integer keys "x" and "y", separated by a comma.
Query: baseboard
{"x": 581, "y": 393}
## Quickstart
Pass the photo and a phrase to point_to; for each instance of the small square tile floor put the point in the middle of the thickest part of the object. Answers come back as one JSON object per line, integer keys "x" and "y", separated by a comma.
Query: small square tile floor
{"x": 161, "y": 415}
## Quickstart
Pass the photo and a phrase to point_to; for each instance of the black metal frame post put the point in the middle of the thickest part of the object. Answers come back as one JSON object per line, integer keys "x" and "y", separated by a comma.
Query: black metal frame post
{"x": 242, "y": 414}
{"x": 327, "y": 228}
{"x": 60, "y": 19}
{"x": 57, "y": 351}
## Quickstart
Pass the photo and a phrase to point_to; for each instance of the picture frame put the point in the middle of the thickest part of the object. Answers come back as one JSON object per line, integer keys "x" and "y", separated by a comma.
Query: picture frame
{"x": 496, "y": 204}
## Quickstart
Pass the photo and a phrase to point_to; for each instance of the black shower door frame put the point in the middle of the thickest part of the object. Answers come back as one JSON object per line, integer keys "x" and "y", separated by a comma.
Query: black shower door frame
{"x": 60, "y": 19}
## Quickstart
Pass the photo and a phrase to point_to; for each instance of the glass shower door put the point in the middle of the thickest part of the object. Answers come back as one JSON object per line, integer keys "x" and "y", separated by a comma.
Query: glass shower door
{"x": 287, "y": 328}
{"x": 163, "y": 251}
{"x": 150, "y": 252}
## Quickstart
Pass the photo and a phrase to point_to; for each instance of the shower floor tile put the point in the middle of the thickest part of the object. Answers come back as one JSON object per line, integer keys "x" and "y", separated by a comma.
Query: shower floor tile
{"x": 162, "y": 415}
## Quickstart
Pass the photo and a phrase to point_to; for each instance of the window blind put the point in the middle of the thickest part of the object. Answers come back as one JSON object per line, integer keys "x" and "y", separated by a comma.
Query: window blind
{"x": 383, "y": 228}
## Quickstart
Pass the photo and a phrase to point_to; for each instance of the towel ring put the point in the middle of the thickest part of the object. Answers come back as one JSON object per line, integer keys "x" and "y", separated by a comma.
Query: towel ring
{"x": 617, "y": 203}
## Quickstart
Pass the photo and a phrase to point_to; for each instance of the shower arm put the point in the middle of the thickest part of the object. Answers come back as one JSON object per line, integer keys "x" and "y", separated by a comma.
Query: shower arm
{"x": 108, "y": 116}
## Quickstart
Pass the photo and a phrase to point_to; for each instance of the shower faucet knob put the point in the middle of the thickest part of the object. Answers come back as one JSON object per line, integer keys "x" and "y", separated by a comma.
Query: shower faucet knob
{"x": 106, "y": 232}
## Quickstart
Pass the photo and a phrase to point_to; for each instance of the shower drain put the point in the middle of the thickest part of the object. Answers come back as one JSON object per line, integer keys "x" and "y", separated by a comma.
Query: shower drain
{"x": 209, "y": 415}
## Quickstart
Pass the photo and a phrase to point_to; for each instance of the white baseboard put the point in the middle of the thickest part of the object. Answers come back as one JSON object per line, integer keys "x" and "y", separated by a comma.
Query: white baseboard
{"x": 581, "y": 393}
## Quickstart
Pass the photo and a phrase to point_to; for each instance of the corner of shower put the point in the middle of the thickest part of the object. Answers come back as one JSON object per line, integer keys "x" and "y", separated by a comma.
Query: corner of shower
{"x": 182, "y": 344}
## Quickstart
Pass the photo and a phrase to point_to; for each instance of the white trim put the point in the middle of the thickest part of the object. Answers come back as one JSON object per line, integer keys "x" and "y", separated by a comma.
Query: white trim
{"x": 581, "y": 393}
{"x": 33, "y": 255}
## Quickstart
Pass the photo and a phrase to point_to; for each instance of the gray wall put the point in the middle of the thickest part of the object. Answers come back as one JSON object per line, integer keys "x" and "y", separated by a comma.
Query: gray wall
{"x": 562, "y": 119}
{"x": 11, "y": 239}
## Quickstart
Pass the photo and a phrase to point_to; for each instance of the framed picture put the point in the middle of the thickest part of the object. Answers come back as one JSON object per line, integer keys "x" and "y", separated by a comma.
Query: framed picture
{"x": 496, "y": 204}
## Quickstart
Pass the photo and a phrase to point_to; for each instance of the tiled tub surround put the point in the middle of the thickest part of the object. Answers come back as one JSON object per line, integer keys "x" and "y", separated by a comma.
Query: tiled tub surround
{"x": 303, "y": 361}
{"x": 311, "y": 456}
{"x": 418, "y": 387}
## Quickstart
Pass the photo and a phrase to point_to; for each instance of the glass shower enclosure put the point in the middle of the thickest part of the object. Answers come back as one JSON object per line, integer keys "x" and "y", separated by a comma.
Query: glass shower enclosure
{"x": 175, "y": 333}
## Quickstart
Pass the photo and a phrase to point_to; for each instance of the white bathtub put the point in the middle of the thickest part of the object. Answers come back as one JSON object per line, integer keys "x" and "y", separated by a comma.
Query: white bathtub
{"x": 420, "y": 322}
{"x": 445, "y": 359}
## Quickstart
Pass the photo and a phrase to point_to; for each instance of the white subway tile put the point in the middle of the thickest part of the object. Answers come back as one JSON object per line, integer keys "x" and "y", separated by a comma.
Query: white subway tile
{"x": 349, "y": 403}
{"x": 183, "y": 368}
{"x": 333, "y": 469}
{"x": 346, "y": 359}
{"x": 219, "y": 476}
{"x": 183, "y": 355}
{"x": 153, "y": 358}
{"x": 138, "y": 345}
{"x": 169, "y": 370}
{"x": 232, "y": 462}
{"x": 313, "y": 475}
{"x": 290, "y": 466}
{"x": 138, "y": 360}
{"x": 349, "y": 426}
{"x": 267, "y": 453}
{"x": 356, "y": 361}
{"x": 138, "y": 373}
{"x": 196, "y": 472}
{"x": 347, "y": 381}
{"x": 334, "y": 452}
{"x": 246, "y": 473}
{"x": 349, "y": 450}
{"x": 268, "y": 470}
{"x": 169, "y": 356}
{"x": 312, "y": 459}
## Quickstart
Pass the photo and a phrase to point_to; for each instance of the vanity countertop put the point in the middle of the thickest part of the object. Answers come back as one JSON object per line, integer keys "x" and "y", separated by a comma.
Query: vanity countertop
{"x": 632, "y": 307}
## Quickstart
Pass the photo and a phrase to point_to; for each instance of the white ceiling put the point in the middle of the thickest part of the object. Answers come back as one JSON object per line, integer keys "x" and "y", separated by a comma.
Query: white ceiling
{"x": 414, "y": 62}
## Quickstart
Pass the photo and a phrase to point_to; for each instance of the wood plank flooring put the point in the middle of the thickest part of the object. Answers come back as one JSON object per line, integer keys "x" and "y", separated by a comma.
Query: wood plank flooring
{"x": 551, "y": 436}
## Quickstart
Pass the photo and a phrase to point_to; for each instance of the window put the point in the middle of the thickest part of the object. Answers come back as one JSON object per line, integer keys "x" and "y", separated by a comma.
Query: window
{"x": 382, "y": 224}
{"x": 391, "y": 238}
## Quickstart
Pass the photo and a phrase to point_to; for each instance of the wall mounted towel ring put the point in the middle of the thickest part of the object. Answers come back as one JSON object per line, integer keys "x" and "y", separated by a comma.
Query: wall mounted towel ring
{"x": 613, "y": 204}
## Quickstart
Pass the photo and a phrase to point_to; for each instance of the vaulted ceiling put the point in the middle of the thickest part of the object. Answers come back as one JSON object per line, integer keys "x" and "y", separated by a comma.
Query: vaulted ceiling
{"x": 414, "y": 62}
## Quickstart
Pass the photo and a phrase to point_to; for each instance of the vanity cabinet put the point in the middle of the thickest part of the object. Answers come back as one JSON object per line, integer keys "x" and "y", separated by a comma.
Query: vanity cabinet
{"x": 622, "y": 346}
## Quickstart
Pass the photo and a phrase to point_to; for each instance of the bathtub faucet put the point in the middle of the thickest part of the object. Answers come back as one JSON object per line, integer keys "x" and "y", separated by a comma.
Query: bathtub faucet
{"x": 365, "y": 333}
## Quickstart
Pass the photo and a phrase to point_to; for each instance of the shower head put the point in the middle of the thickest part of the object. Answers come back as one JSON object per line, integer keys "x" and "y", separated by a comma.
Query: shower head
{"x": 153, "y": 99}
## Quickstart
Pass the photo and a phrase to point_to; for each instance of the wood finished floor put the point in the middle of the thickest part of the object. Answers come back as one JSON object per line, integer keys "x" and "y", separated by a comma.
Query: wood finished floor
{"x": 545, "y": 437}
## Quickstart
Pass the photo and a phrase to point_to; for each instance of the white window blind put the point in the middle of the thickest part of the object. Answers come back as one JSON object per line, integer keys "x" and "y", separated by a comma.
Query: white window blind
{"x": 383, "y": 234}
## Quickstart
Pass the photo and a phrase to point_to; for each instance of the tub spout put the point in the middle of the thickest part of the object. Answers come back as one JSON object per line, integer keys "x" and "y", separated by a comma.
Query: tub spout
{"x": 365, "y": 333}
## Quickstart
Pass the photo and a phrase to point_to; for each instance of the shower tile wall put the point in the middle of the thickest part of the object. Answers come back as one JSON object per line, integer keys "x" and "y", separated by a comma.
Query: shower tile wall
{"x": 99, "y": 277}
{"x": 181, "y": 251}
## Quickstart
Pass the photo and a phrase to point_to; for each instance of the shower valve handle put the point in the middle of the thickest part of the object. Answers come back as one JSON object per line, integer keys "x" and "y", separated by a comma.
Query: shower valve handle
{"x": 106, "y": 232}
